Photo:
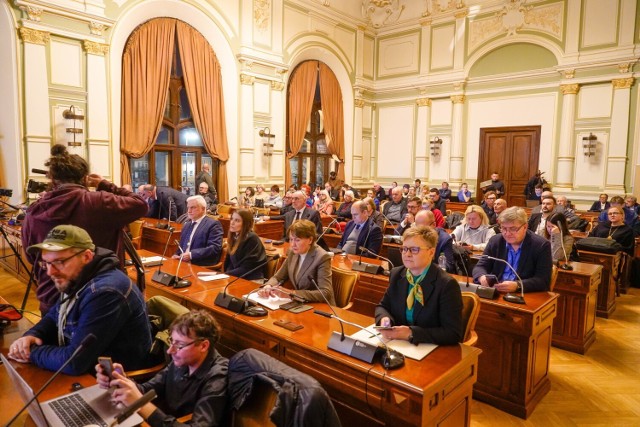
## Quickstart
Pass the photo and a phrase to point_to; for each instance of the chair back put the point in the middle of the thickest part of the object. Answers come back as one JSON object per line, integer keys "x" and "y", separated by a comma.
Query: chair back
{"x": 135, "y": 229}
{"x": 262, "y": 211}
{"x": 256, "y": 410}
{"x": 343, "y": 283}
{"x": 470, "y": 311}
{"x": 554, "y": 277}
{"x": 273, "y": 264}
{"x": 224, "y": 209}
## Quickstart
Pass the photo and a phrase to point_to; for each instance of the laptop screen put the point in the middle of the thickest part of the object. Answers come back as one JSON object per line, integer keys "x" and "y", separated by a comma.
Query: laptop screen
{"x": 26, "y": 393}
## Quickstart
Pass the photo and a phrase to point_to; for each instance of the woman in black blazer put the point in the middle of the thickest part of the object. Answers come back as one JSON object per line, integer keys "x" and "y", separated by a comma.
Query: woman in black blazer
{"x": 432, "y": 313}
{"x": 246, "y": 250}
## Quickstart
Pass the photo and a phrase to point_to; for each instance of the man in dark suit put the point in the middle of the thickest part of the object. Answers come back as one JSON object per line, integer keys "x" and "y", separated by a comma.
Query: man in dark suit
{"x": 201, "y": 237}
{"x": 165, "y": 202}
{"x": 527, "y": 252}
{"x": 361, "y": 231}
{"x": 414, "y": 205}
{"x": 438, "y": 202}
{"x": 602, "y": 204}
{"x": 538, "y": 221}
{"x": 299, "y": 211}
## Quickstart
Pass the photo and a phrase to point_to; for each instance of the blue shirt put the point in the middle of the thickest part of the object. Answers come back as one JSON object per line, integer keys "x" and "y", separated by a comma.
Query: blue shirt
{"x": 513, "y": 258}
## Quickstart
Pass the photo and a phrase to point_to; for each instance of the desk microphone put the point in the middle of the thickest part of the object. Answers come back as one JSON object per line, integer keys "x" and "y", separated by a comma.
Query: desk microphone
{"x": 159, "y": 276}
{"x": 168, "y": 224}
{"x": 364, "y": 266}
{"x": 326, "y": 229}
{"x": 566, "y": 266}
{"x": 391, "y": 222}
{"x": 386, "y": 272}
{"x": 234, "y": 304}
{"x": 133, "y": 408}
{"x": 510, "y": 297}
{"x": 86, "y": 342}
{"x": 180, "y": 283}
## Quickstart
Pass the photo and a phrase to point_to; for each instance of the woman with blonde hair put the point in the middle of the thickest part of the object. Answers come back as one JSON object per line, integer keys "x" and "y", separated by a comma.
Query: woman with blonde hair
{"x": 474, "y": 232}
{"x": 324, "y": 204}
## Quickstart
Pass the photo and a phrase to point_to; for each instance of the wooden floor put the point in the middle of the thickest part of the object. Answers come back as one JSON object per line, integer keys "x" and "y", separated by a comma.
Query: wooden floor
{"x": 601, "y": 388}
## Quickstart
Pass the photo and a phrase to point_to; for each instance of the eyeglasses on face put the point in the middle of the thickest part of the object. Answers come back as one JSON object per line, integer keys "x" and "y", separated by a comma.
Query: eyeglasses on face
{"x": 179, "y": 346}
{"x": 512, "y": 230}
{"x": 414, "y": 249}
{"x": 58, "y": 264}
{"x": 614, "y": 213}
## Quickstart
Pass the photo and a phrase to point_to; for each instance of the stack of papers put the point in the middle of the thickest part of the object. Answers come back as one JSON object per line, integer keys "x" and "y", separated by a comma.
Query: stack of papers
{"x": 209, "y": 276}
{"x": 412, "y": 351}
{"x": 272, "y": 303}
{"x": 151, "y": 261}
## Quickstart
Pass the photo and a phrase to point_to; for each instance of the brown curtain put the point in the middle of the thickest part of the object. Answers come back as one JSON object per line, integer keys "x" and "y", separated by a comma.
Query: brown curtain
{"x": 146, "y": 68}
{"x": 302, "y": 87}
{"x": 203, "y": 82}
{"x": 331, "y": 99}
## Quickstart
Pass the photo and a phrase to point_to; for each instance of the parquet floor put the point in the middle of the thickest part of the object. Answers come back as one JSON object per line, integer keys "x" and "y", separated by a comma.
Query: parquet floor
{"x": 601, "y": 388}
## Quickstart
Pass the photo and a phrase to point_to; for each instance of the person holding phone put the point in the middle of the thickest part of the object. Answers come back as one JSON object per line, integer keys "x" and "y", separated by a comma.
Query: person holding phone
{"x": 423, "y": 304}
{"x": 194, "y": 382}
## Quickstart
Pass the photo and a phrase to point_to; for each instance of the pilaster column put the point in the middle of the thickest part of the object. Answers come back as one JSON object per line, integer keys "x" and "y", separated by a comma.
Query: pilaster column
{"x": 360, "y": 159}
{"x": 566, "y": 145}
{"x": 97, "y": 123}
{"x": 619, "y": 137}
{"x": 456, "y": 158}
{"x": 422, "y": 150}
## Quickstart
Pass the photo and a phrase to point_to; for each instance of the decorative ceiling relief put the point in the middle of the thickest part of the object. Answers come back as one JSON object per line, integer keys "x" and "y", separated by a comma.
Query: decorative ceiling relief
{"x": 515, "y": 16}
{"x": 381, "y": 12}
{"x": 441, "y": 6}
{"x": 261, "y": 14}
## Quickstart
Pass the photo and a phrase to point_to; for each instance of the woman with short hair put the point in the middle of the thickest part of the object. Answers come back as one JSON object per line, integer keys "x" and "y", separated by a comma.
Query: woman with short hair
{"x": 474, "y": 231}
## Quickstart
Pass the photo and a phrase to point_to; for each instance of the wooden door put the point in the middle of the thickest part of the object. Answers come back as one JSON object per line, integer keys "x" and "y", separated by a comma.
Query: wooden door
{"x": 513, "y": 152}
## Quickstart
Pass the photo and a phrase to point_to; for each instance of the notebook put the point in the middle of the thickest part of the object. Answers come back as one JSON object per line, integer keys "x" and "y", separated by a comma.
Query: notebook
{"x": 88, "y": 406}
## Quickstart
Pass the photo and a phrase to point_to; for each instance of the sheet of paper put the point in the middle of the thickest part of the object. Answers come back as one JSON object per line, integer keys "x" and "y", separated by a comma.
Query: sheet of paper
{"x": 211, "y": 277}
{"x": 151, "y": 260}
{"x": 272, "y": 303}
{"x": 417, "y": 352}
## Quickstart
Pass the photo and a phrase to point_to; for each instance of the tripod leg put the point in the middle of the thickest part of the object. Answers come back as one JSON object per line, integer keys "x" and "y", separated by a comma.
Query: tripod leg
{"x": 22, "y": 263}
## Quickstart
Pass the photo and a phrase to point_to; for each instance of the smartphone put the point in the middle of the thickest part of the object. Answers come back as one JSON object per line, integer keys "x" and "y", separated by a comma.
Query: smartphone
{"x": 492, "y": 280}
{"x": 107, "y": 366}
{"x": 383, "y": 328}
{"x": 301, "y": 308}
{"x": 290, "y": 305}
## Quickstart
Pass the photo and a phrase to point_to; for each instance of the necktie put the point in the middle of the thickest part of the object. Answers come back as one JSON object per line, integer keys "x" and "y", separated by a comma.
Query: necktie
{"x": 415, "y": 293}
{"x": 297, "y": 216}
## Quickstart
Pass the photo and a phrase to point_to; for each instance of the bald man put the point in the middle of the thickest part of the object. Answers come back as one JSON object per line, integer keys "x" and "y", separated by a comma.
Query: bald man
{"x": 445, "y": 242}
{"x": 361, "y": 231}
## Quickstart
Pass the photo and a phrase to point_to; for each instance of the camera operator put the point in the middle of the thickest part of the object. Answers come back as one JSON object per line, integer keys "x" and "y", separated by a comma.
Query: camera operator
{"x": 102, "y": 213}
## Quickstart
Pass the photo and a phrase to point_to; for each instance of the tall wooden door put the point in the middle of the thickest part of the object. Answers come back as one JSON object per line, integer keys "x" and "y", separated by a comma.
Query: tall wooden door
{"x": 513, "y": 152}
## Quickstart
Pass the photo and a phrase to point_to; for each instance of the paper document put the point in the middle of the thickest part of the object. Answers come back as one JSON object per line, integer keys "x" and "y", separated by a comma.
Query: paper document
{"x": 210, "y": 277}
{"x": 417, "y": 352}
{"x": 272, "y": 303}
{"x": 150, "y": 261}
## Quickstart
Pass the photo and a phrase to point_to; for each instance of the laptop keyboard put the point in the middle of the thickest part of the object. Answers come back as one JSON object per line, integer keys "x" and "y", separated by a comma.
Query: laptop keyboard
{"x": 74, "y": 411}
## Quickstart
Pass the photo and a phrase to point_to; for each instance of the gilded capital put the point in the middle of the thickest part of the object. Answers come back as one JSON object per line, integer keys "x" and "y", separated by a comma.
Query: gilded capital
{"x": 33, "y": 13}
{"x": 458, "y": 99}
{"x": 246, "y": 79}
{"x": 359, "y": 102}
{"x": 277, "y": 85}
{"x": 96, "y": 28}
{"x": 96, "y": 48}
{"x": 423, "y": 102}
{"x": 461, "y": 13}
{"x": 30, "y": 35}
{"x": 624, "y": 68}
{"x": 571, "y": 89}
{"x": 622, "y": 83}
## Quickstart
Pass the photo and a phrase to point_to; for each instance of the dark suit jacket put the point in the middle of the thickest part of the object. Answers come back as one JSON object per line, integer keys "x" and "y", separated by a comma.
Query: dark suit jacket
{"x": 534, "y": 267}
{"x": 249, "y": 255}
{"x": 308, "y": 213}
{"x": 441, "y": 205}
{"x": 534, "y": 221}
{"x": 206, "y": 245}
{"x": 370, "y": 237}
{"x": 317, "y": 264}
{"x": 439, "y": 321}
{"x": 166, "y": 196}
{"x": 595, "y": 207}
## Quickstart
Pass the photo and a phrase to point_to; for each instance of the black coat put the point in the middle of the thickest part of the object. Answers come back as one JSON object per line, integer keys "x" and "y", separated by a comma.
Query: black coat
{"x": 248, "y": 256}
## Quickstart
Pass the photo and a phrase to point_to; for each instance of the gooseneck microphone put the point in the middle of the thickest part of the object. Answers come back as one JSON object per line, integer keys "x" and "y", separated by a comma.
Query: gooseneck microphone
{"x": 567, "y": 265}
{"x": 364, "y": 249}
{"x": 364, "y": 266}
{"x": 229, "y": 301}
{"x": 510, "y": 297}
{"x": 133, "y": 408}
{"x": 86, "y": 342}
{"x": 180, "y": 283}
{"x": 326, "y": 229}
{"x": 391, "y": 223}
{"x": 159, "y": 276}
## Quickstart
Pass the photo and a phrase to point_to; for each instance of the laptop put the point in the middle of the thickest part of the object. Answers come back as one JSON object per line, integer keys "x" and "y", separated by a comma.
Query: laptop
{"x": 88, "y": 406}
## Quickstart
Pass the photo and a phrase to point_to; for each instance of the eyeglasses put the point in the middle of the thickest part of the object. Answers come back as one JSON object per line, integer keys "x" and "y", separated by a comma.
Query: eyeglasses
{"x": 180, "y": 346}
{"x": 414, "y": 249}
{"x": 512, "y": 230}
{"x": 58, "y": 264}
{"x": 614, "y": 213}
{"x": 491, "y": 198}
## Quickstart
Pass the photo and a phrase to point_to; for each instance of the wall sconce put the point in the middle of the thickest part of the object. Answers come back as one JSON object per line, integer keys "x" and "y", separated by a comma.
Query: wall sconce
{"x": 73, "y": 126}
{"x": 267, "y": 147}
{"x": 436, "y": 144}
{"x": 589, "y": 145}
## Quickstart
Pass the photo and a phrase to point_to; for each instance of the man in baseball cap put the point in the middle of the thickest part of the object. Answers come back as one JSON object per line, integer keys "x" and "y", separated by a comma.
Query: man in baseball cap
{"x": 96, "y": 297}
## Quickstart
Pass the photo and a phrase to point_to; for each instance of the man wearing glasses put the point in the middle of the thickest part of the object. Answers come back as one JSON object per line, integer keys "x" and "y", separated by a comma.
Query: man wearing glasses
{"x": 96, "y": 297}
{"x": 195, "y": 382}
{"x": 527, "y": 252}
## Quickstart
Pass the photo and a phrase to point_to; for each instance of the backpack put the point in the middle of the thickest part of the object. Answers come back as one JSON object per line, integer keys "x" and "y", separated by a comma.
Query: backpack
{"x": 453, "y": 220}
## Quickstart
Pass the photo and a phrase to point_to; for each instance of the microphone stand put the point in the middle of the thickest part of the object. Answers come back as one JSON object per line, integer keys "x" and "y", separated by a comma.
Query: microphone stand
{"x": 566, "y": 266}
{"x": 511, "y": 297}
{"x": 180, "y": 283}
{"x": 159, "y": 276}
{"x": 365, "y": 267}
{"x": 385, "y": 272}
{"x": 326, "y": 229}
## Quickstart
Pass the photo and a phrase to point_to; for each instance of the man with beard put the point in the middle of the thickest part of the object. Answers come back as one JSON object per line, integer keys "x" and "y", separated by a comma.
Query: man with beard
{"x": 538, "y": 221}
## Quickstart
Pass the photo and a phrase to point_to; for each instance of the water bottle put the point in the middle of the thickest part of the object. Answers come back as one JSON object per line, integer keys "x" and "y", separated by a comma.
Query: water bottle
{"x": 442, "y": 262}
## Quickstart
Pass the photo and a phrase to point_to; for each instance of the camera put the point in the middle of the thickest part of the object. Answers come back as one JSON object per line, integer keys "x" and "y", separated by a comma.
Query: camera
{"x": 35, "y": 186}
{"x": 5, "y": 192}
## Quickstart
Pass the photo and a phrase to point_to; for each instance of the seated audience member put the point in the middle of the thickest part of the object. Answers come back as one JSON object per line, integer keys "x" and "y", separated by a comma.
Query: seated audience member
{"x": 537, "y": 193}
{"x": 273, "y": 199}
{"x": 564, "y": 207}
{"x": 374, "y": 214}
{"x": 529, "y": 189}
{"x": 194, "y": 382}
{"x": 361, "y": 231}
{"x": 209, "y": 198}
{"x": 464, "y": 195}
{"x": 396, "y": 208}
{"x": 390, "y": 192}
{"x": 445, "y": 192}
{"x": 474, "y": 232}
{"x": 333, "y": 193}
{"x": 498, "y": 206}
{"x": 305, "y": 259}
{"x": 423, "y": 304}
{"x": 487, "y": 205}
{"x": 299, "y": 211}
{"x": 616, "y": 229}
{"x": 371, "y": 194}
{"x": 537, "y": 221}
{"x": 405, "y": 190}
{"x": 96, "y": 297}
{"x": 631, "y": 211}
{"x": 417, "y": 186}
{"x": 344, "y": 210}
{"x": 379, "y": 193}
{"x": 201, "y": 237}
{"x": 205, "y": 176}
{"x": 346, "y": 187}
{"x": 246, "y": 250}
{"x": 248, "y": 198}
{"x": 165, "y": 202}
{"x": 546, "y": 194}
{"x": 260, "y": 194}
{"x": 438, "y": 202}
{"x": 324, "y": 204}
{"x": 307, "y": 192}
{"x": 601, "y": 204}
{"x": 445, "y": 242}
{"x": 286, "y": 203}
{"x": 527, "y": 252}
{"x": 557, "y": 232}
{"x": 412, "y": 193}
{"x": 427, "y": 204}
{"x": 618, "y": 202}
{"x": 413, "y": 206}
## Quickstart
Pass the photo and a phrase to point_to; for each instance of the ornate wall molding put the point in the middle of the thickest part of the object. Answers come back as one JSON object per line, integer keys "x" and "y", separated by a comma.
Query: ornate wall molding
{"x": 96, "y": 48}
{"x": 458, "y": 99}
{"x": 622, "y": 83}
{"x": 571, "y": 89}
{"x": 359, "y": 102}
{"x": 33, "y": 13}
{"x": 96, "y": 28}
{"x": 461, "y": 13}
{"x": 277, "y": 85}
{"x": 568, "y": 74}
{"x": 423, "y": 102}
{"x": 261, "y": 14}
{"x": 30, "y": 35}
{"x": 624, "y": 68}
{"x": 246, "y": 79}
{"x": 381, "y": 12}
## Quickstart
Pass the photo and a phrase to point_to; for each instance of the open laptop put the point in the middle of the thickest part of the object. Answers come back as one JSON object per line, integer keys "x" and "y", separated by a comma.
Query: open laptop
{"x": 88, "y": 406}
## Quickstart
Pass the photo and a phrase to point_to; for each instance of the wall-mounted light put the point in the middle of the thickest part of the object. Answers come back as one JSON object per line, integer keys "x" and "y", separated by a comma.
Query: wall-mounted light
{"x": 436, "y": 145}
{"x": 267, "y": 146}
{"x": 589, "y": 145}
{"x": 73, "y": 126}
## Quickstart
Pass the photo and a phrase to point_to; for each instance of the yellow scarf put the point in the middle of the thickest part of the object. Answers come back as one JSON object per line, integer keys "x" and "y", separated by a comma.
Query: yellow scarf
{"x": 415, "y": 293}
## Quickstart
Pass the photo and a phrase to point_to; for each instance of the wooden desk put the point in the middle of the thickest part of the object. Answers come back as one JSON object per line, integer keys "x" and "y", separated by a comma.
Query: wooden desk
{"x": 434, "y": 391}
{"x": 458, "y": 206}
{"x": 154, "y": 239}
{"x": 607, "y": 290}
{"x": 268, "y": 229}
{"x": 574, "y": 326}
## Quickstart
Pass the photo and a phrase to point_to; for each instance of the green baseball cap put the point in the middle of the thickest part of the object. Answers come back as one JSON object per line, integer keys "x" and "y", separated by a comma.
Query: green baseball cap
{"x": 64, "y": 237}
